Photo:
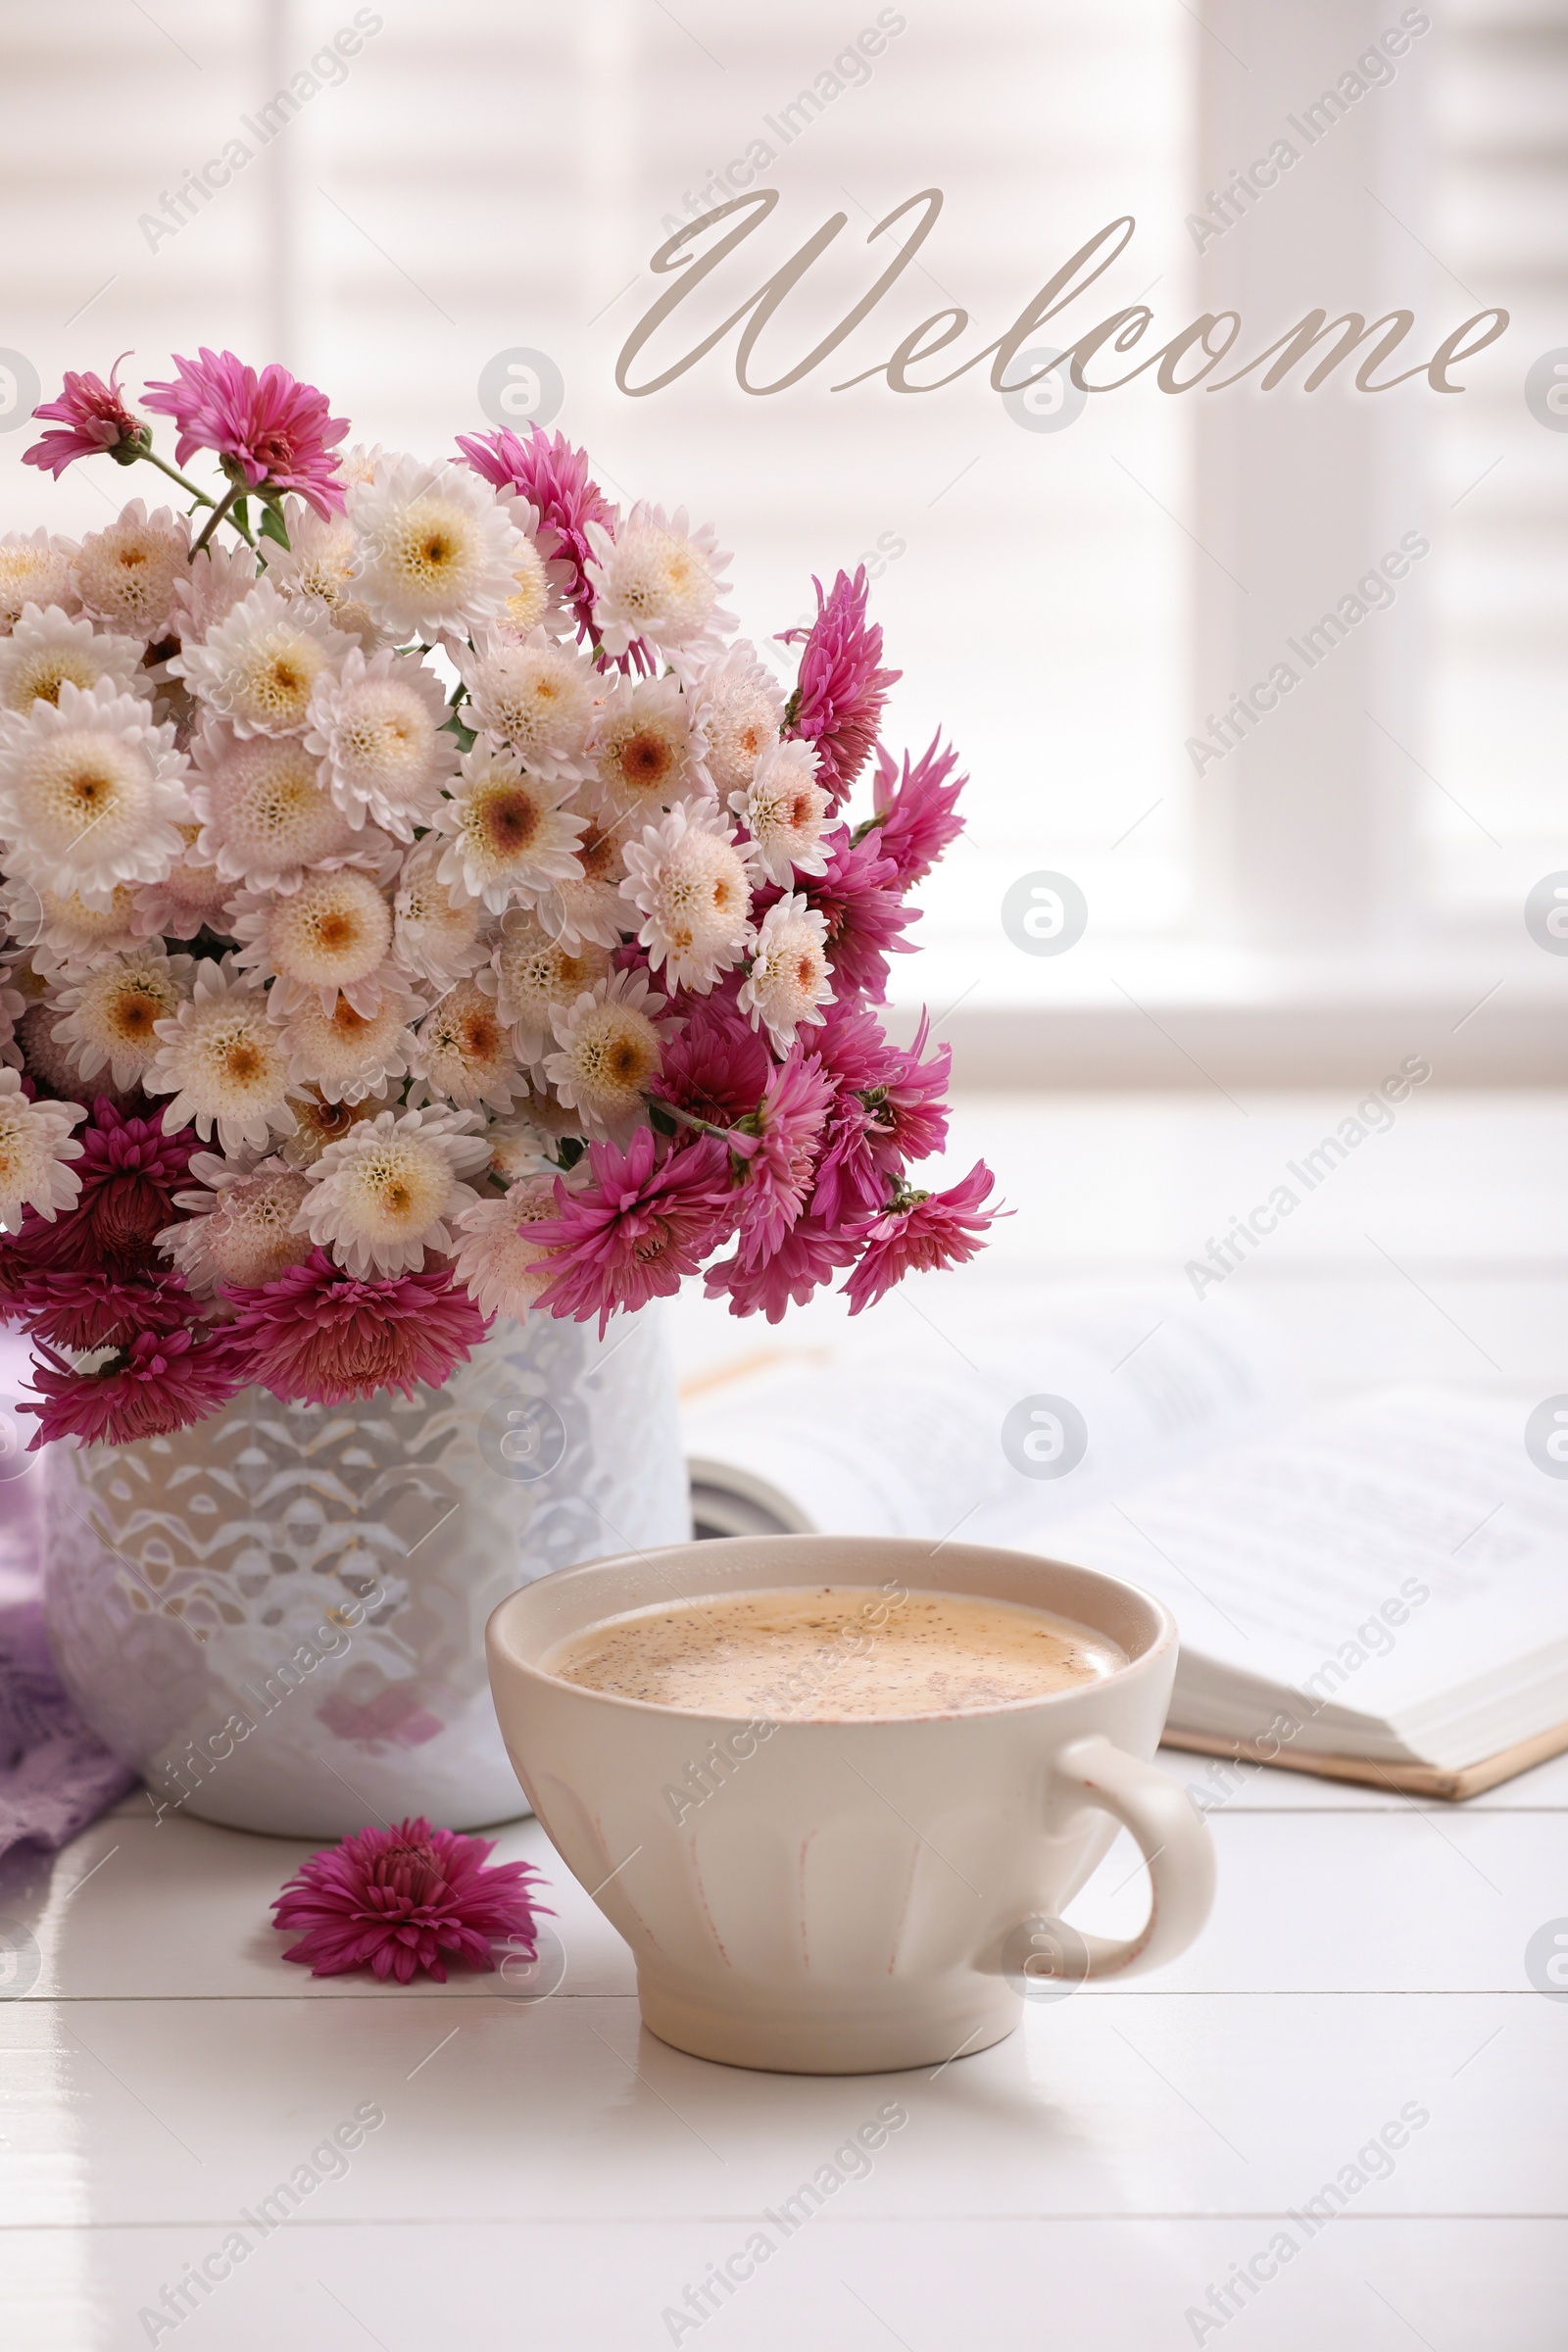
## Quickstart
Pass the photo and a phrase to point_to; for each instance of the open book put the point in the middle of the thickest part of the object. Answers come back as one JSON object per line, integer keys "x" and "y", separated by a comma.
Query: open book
{"x": 1375, "y": 1589}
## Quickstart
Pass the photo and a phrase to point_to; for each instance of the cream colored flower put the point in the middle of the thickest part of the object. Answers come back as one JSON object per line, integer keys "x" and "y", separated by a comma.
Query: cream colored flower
{"x": 737, "y": 709}
{"x": 658, "y": 580}
{"x": 641, "y": 750}
{"x": 332, "y": 934}
{"x": 788, "y": 978}
{"x": 608, "y": 1053}
{"x": 48, "y": 647}
{"x": 260, "y": 666}
{"x": 36, "y": 570}
{"x": 536, "y": 695}
{"x": 36, "y": 1143}
{"x": 378, "y": 727}
{"x": 126, "y": 575}
{"x": 692, "y": 885}
{"x": 464, "y": 1053}
{"x": 91, "y": 793}
{"x": 437, "y": 552}
{"x": 784, "y": 810}
{"x": 110, "y": 1017}
{"x": 222, "y": 1061}
{"x": 266, "y": 818}
{"x": 350, "y": 1056}
{"x": 508, "y": 839}
{"x": 384, "y": 1196}
{"x": 240, "y": 1226}
{"x": 497, "y": 1262}
{"x": 437, "y": 935}
{"x": 534, "y": 970}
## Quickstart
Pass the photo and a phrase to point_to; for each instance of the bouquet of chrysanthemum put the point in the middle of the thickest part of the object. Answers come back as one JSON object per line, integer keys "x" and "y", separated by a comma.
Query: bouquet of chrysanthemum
{"x": 422, "y": 907}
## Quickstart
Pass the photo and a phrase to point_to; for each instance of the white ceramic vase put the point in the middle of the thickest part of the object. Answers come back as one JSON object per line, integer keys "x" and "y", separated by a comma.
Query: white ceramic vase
{"x": 279, "y": 1615}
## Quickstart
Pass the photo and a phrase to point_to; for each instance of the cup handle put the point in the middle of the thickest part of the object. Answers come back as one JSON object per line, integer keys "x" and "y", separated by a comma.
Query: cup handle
{"x": 1176, "y": 1846}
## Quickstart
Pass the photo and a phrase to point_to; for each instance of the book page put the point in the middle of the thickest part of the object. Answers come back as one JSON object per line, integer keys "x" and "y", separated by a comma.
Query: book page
{"x": 1381, "y": 1554}
{"x": 991, "y": 1424}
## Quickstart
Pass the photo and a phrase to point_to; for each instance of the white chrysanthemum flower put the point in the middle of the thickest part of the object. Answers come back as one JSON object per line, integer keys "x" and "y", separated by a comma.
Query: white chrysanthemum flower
{"x": 788, "y": 978}
{"x": 110, "y": 1017}
{"x": 536, "y": 695}
{"x": 65, "y": 935}
{"x": 319, "y": 564}
{"x": 383, "y": 1195}
{"x": 540, "y": 580}
{"x": 508, "y": 839}
{"x": 36, "y": 1143}
{"x": 463, "y": 1052}
{"x": 359, "y": 460}
{"x": 321, "y": 1122}
{"x": 259, "y": 667}
{"x": 659, "y": 580}
{"x": 610, "y": 1052}
{"x": 91, "y": 793}
{"x": 47, "y": 647}
{"x": 126, "y": 575}
{"x": 641, "y": 749}
{"x": 436, "y": 934}
{"x": 692, "y": 885}
{"x": 497, "y": 1263}
{"x": 437, "y": 552}
{"x": 191, "y": 895}
{"x": 332, "y": 935}
{"x": 266, "y": 818}
{"x": 351, "y": 1057}
{"x": 532, "y": 970}
{"x": 784, "y": 810}
{"x": 379, "y": 730}
{"x": 221, "y": 1060}
{"x": 737, "y": 707}
{"x": 518, "y": 1148}
{"x": 208, "y": 588}
{"x": 589, "y": 911}
{"x": 240, "y": 1225}
{"x": 36, "y": 570}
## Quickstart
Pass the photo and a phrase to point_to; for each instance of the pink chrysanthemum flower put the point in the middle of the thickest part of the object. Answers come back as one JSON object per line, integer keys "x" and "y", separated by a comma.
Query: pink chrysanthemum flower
{"x": 646, "y": 1219}
{"x": 838, "y": 703}
{"x": 780, "y": 1155}
{"x": 918, "y": 1232}
{"x": 269, "y": 430}
{"x": 324, "y": 1337}
{"x": 859, "y": 895}
{"x": 92, "y": 1311}
{"x": 395, "y": 1899}
{"x": 916, "y": 814}
{"x": 164, "y": 1381}
{"x": 554, "y": 478}
{"x": 129, "y": 1172}
{"x": 716, "y": 1066}
{"x": 96, "y": 422}
{"x": 809, "y": 1254}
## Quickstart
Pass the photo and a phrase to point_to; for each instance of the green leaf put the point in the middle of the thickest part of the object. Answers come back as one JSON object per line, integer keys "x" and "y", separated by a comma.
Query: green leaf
{"x": 465, "y": 735}
{"x": 271, "y": 524}
{"x": 569, "y": 1151}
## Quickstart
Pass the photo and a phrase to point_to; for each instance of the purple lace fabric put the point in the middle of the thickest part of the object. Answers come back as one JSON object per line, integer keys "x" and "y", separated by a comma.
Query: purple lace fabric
{"x": 55, "y": 1776}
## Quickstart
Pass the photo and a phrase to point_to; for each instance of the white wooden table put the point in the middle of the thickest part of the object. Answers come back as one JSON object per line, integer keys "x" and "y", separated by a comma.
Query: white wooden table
{"x": 546, "y": 2177}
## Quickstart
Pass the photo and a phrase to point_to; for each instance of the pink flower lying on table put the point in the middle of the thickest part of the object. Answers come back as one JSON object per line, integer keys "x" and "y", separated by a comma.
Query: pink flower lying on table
{"x": 396, "y": 1900}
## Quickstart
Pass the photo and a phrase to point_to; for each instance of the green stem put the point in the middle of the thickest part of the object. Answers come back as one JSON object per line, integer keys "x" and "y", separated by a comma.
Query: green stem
{"x": 215, "y": 518}
{"x": 689, "y": 1118}
{"x": 149, "y": 457}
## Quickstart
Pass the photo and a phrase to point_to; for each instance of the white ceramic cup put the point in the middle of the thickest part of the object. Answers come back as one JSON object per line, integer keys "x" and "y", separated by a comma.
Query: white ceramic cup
{"x": 842, "y": 1897}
